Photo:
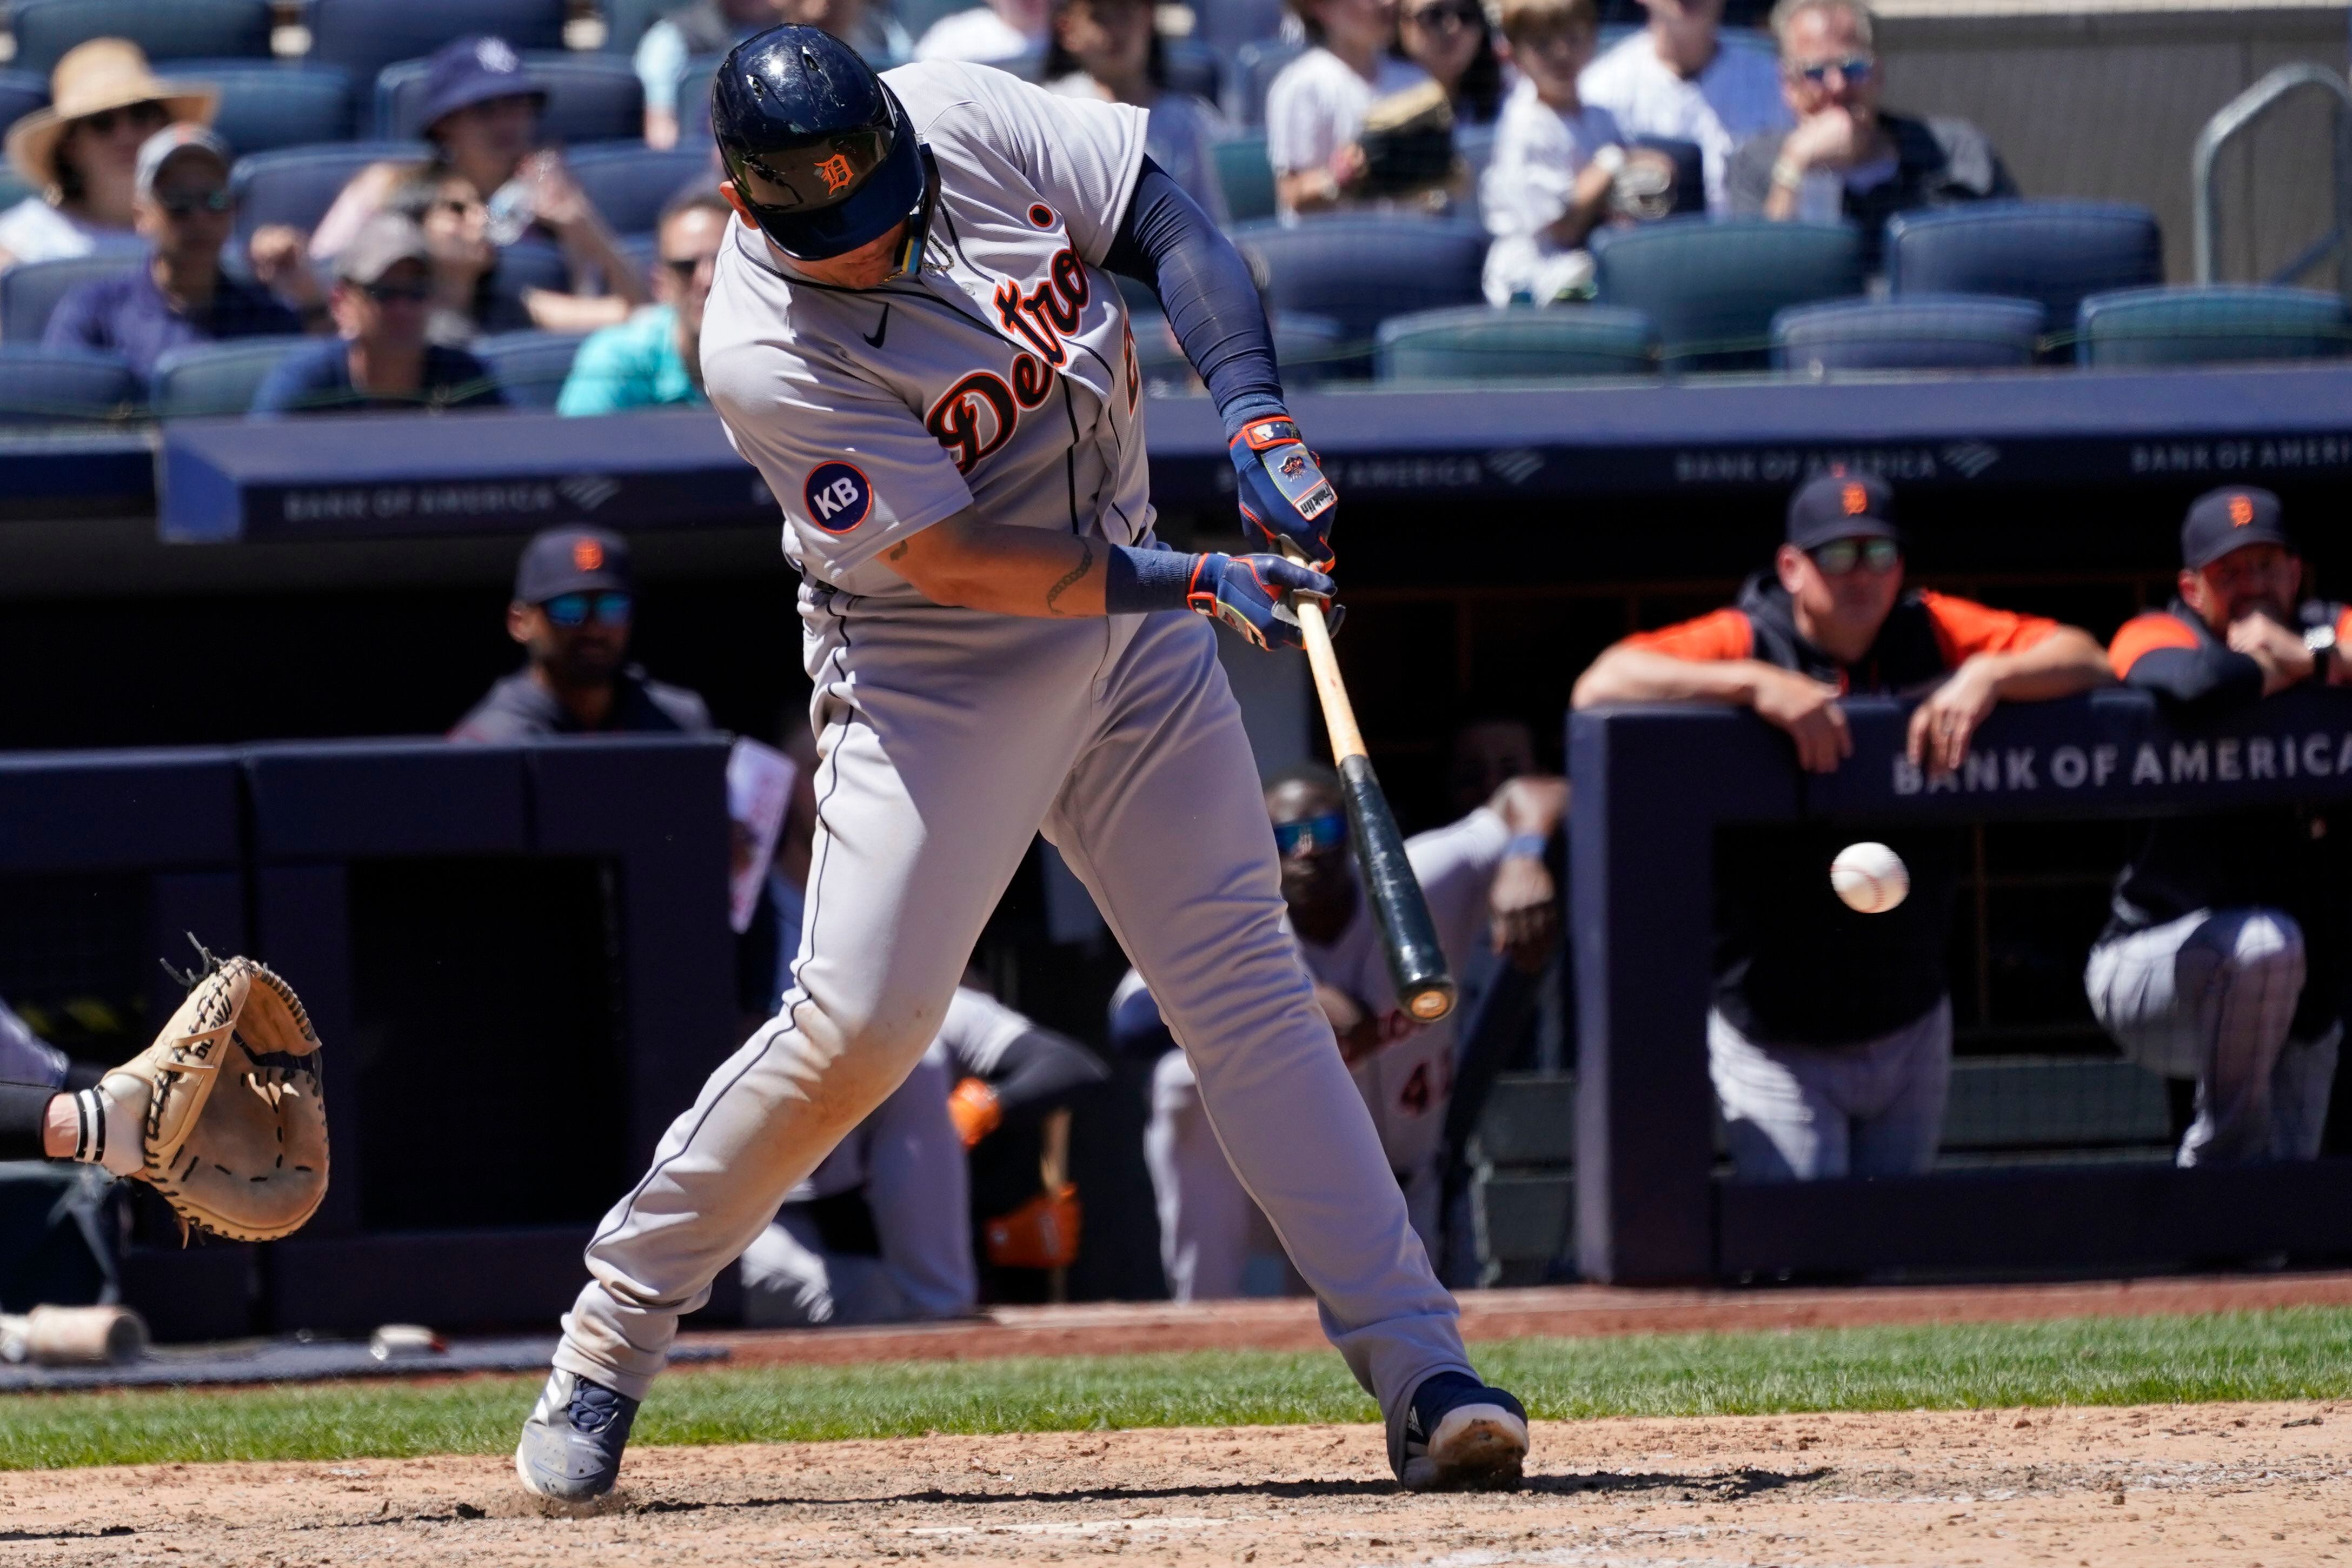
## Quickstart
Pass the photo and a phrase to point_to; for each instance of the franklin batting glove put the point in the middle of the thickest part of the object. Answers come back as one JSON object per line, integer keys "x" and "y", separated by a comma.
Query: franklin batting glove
{"x": 1284, "y": 494}
{"x": 1252, "y": 594}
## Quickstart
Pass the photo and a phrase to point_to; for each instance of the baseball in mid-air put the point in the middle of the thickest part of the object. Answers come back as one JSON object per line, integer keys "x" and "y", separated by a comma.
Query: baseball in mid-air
{"x": 1870, "y": 877}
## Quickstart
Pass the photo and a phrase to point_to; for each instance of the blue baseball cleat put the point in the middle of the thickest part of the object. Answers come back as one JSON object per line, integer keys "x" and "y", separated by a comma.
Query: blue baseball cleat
{"x": 1458, "y": 1434}
{"x": 570, "y": 1447}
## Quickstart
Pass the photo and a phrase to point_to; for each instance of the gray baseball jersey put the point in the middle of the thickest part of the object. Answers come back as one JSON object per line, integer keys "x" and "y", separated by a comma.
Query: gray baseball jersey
{"x": 949, "y": 737}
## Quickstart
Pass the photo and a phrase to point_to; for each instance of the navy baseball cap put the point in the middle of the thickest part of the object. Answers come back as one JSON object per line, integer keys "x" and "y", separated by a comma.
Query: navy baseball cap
{"x": 1841, "y": 506}
{"x": 467, "y": 71}
{"x": 2230, "y": 519}
{"x": 569, "y": 560}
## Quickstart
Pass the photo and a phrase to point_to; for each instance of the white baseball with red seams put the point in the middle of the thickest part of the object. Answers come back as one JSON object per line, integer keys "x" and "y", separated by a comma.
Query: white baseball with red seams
{"x": 1870, "y": 877}
{"x": 1000, "y": 381}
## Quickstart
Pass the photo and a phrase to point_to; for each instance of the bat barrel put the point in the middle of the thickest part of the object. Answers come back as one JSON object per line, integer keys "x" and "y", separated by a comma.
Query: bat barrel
{"x": 1408, "y": 935}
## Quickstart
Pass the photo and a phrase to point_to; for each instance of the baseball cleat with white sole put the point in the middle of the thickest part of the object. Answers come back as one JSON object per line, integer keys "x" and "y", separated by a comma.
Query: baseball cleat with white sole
{"x": 1458, "y": 1434}
{"x": 570, "y": 1447}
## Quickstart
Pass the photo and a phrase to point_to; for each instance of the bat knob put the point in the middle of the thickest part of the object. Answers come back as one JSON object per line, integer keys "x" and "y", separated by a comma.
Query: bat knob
{"x": 1431, "y": 1003}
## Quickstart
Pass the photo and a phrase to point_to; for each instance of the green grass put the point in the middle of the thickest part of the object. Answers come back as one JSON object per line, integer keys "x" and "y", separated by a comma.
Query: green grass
{"x": 2298, "y": 1353}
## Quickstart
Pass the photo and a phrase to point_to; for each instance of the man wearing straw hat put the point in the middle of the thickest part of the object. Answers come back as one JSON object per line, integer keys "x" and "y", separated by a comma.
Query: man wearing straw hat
{"x": 82, "y": 152}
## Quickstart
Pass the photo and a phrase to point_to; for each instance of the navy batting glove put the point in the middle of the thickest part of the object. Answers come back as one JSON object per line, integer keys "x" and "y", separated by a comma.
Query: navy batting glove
{"x": 1284, "y": 494}
{"x": 1252, "y": 594}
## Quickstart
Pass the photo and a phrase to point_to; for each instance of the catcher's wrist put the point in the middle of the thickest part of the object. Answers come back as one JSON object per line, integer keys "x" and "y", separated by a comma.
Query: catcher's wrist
{"x": 106, "y": 1126}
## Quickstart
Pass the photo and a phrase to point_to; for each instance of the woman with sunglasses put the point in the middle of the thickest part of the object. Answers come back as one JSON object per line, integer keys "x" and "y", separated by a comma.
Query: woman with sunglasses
{"x": 1452, "y": 41}
{"x": 1847, "y": 158}
{"x": 81, "y": 153}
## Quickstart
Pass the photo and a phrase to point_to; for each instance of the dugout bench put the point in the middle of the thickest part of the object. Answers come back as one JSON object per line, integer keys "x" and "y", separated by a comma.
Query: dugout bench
{"x": 1653, "y": 783}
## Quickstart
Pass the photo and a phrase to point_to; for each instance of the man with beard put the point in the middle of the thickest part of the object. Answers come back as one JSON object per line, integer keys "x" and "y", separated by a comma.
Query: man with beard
{"x": 2223, "y": 959}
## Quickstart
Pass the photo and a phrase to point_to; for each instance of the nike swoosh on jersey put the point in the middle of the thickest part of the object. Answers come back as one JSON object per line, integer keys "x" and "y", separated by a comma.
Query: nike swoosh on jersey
{"x": 881, "y": 329}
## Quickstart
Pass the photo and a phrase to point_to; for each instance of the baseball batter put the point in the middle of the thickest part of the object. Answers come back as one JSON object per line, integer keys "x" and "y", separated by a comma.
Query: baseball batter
{"x": 914, "y": 334}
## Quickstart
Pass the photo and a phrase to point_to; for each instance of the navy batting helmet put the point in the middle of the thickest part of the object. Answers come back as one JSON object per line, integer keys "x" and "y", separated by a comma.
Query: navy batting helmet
{"x": 823, "y": 156}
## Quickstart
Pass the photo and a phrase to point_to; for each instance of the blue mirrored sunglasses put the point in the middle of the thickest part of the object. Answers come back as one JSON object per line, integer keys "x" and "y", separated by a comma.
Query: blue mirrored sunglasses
{"x": 1311, "y": 835}
{"x": 1856, "y": 69}
{"x": 569, "y": 610}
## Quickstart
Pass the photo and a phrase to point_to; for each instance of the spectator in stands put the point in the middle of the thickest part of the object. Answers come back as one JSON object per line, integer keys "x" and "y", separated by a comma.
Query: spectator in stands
{"x": 1452, "y": 41}
{"x": 481, "y": 113}
{"x": 1830, "y": 1036}
{"x": 708, "y": 28}
{"x": 1677, "y": 79}
{"x": 81, "y": 153}
{"x": 381, "y": 360}
{"x": 2224, "y": 958}
{"x": 180, "y": 295}
{"x": 1846, "y": 157}
{"x": 1556, "y": 160}
{"x": 1315, "y": 110}
{"x": 1109, "y": 49}
{"x": 1007, "y": 33}
{"x": 449, "y": 210}
{"x": 655, "y": 356}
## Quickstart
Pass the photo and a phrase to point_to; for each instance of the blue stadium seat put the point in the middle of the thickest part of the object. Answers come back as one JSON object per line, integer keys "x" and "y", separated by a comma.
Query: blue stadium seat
{"x": 2209, "y": 324}
{"x": 1713, "y": 288}
{"x": 630, "y": 183}
{"x": 31, "y": 290}
{"x": 2053, "y": 252}
{"x": 1246, "y": 178}
{"x": 265, "y": 105}
{"x": 625, "y": 22}
{"x": 39, "y": 387}
{"x": 297, "y": 184}
{"x": 1193, "y": 67}
{"x": 694, "y": 100}
{"x": 1481, "y": 343}
{"x": 21, "y": 92}
{"x": 217, "y": 379}
{"x": 590, "y": 98}
{"x": 1308, "y": 348}
{"x": 1918, "y": 331}
{"x": 365, "y": 36}
{"x": 169, "y": 30}
{"x": 1362, "y": 267}
{"x": 1254, "y": 67}
{"x": 1226, "y": 25}
{"x": 530, "y": 366}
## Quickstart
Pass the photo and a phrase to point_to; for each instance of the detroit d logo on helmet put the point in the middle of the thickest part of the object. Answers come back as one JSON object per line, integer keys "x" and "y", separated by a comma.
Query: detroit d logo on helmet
{"x": 838, "y": 497}
{"x": 836, "y": 174}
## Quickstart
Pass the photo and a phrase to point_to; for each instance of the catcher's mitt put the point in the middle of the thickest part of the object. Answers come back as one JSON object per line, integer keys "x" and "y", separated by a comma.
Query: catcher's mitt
{"x": 236, "y": 1130}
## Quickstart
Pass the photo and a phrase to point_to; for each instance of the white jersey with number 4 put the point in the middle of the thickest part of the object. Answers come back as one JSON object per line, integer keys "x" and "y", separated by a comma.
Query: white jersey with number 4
{"x": 1011, "y": 351}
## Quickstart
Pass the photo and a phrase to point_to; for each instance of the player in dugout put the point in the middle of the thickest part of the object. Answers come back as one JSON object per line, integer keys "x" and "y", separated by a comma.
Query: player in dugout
{"x": 2224, "y": 958}
{"x": 1488, "y": 888}
{"x": 1830, "y": 1039}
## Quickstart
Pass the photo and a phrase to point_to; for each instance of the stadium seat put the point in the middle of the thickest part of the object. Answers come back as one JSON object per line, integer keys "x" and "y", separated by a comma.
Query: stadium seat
{"x": 2209, "y": 324}
{"x": 218, "y": 379}
{"x": 625, "y": 22}
{"x": 265, "y": 105}
{"x": 1481, "y": 343}
{"x": 1362, "y": 267}
{"x": 39, "y": 387}
{"x": 1308, "y": 348}
{"x": 530, "y": 366}
{"x": 1920, "y": 331}
{"x": 168, "y": 30}
{"x": 1254, "y": 67}
{"x": 31, "y": 290}
{"x": 694, "y": 99}
{"x": 590, "y": 98}
{"x": 630, "y": 183}
{"x": 21, "y": 92}
{"x": 1713, "y": 288}
{"x": 1193, "y": 67}
{"x": 2052, "y": 252}
{"x": 1246, "y": 178}
{"x": 365, "y": 36}
{"x": 297, "y": 184}
{"x": 1226, "y": 25}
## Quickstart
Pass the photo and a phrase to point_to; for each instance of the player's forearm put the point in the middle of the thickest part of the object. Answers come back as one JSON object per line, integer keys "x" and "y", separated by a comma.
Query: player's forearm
{"x": 973, "y": 564}
{"x": 1637, "y": 675}
{"x": 2060, "y": 665}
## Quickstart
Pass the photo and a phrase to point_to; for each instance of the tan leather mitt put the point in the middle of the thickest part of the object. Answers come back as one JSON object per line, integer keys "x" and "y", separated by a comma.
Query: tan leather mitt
{"x": 235, "y": 1129}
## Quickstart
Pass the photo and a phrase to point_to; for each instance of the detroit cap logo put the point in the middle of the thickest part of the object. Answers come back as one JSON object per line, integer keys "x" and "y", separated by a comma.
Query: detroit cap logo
{"x": 2242, "y": 510}
{"x": 587, "y": 555}
{"x": 838, "y": 496}
{"x": 836, "y": 174}
{"x": 1854, "y": 498}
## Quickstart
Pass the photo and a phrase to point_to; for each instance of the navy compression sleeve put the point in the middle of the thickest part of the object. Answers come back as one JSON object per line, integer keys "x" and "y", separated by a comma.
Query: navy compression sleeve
{"x": 1168, "y": 244}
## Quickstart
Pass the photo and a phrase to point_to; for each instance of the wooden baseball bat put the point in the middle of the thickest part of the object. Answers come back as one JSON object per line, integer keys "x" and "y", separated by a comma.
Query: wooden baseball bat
{"x": 1408, "y": 936}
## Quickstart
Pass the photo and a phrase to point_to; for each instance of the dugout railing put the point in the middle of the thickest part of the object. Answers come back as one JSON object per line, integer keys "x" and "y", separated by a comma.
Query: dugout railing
{"x": 517, "y": 958}
{"x": 1654, "y": 785}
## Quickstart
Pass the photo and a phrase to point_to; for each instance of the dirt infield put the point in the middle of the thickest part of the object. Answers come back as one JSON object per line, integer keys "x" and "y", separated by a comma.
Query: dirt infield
{"x": 1566, "y": 1311}
{"x": 2253, "y": 1485}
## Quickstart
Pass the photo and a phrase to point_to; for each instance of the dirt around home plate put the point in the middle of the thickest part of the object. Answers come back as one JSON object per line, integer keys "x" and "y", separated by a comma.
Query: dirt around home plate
{"x": 2244, "y": 1485}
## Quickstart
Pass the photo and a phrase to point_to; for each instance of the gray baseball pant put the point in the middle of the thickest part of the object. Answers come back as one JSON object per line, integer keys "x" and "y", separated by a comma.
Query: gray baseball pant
{"x": 2212, "y": 996}
{"x": 1806, "y": 1113}
{"x": 947, "y": 737}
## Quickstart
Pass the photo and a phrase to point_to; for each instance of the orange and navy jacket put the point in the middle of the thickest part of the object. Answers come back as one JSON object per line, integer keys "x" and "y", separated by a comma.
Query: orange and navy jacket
{"x": 1925, "y": 636}
{"x": 1794, "y": 965}
{"x": 2174, "y": 654}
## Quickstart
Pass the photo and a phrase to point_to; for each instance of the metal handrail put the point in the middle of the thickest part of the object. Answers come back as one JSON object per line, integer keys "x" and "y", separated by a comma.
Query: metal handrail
{"x": 2241, "y": 112}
